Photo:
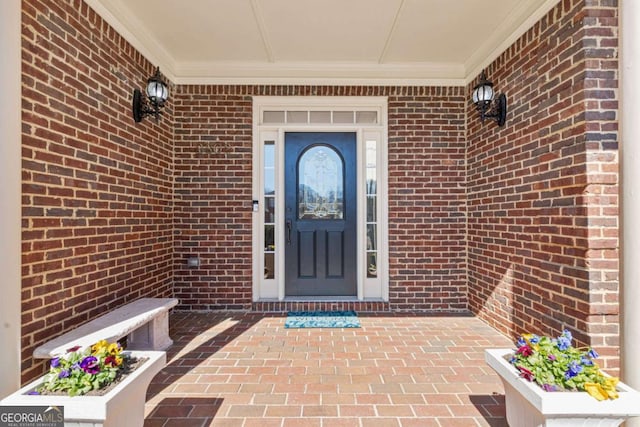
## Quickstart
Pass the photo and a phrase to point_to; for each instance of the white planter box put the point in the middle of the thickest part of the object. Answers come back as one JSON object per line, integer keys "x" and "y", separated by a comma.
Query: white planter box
{"x": 528, "y": 405}
{"x": 123, "y": 406}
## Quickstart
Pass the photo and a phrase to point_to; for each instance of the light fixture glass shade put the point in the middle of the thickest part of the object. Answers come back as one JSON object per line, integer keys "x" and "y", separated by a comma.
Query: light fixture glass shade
{"x": 483, "y": 92}
{"x": 157, "y": 91}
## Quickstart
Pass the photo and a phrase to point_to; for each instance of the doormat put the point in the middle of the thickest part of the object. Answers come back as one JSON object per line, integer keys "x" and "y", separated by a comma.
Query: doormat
{"x": 322, "y": 319}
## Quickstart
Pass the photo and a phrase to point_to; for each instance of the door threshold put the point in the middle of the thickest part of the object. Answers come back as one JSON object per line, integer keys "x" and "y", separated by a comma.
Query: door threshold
{"x": 321, "y": 303}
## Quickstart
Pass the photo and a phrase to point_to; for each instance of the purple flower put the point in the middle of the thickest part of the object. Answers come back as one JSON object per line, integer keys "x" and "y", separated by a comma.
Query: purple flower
{"x": 521, "y": 342}
{"x": 64, "y": 374}
{"x": 563, "y": 343}
{"x": 534, "y": 339}
{"x": 549, "y": 387}
{"x": 33, "y": 393}
{"x": 586, "y": 361}
{"x": 90, "y": 365}
{"x": 552, "y": 357}
{"x": 593, "y": 354}
{"x": 574, "y": 369}
{"x": 55, "y": 362}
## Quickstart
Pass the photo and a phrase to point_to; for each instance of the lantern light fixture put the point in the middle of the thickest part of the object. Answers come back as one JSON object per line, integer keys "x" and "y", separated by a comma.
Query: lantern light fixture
{"x": 483, "y": 98}
{"x": 157, "y": 94}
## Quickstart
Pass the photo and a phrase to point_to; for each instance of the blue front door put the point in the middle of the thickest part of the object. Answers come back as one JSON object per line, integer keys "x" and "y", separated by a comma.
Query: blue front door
{"x": 320, "y": 214}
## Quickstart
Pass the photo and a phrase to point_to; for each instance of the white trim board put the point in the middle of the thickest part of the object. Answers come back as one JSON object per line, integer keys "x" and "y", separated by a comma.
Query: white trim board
{"x": 368, "y": 288}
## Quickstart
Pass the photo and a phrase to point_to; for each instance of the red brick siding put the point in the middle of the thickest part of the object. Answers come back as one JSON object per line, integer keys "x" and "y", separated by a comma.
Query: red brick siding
{"x": 427, "y": 200}
{"x": 543, "y": 190}
{"x": 213, "y": 198}
{"x": 97, "y": 188}
{"x": 426, "y": 194}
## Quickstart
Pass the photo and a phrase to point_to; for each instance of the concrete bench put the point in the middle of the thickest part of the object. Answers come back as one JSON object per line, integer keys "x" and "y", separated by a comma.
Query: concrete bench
{"x": 145, "y": 323}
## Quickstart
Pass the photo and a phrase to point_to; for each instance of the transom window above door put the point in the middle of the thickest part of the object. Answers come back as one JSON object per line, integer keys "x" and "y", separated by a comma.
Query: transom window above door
{"x": 320, "y": 117}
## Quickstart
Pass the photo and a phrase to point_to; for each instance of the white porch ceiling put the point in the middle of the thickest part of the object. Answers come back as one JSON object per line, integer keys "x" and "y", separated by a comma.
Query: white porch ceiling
{"x": 427, "y": 42}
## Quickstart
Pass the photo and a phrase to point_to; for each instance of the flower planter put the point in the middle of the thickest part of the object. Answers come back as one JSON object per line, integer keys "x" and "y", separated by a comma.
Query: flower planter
{"x": 528, "y": 405}
{"x": 122, "y": 406}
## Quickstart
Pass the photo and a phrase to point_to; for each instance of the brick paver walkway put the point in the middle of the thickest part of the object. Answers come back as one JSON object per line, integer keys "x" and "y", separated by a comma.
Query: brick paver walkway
{"x": 243, "y": 370}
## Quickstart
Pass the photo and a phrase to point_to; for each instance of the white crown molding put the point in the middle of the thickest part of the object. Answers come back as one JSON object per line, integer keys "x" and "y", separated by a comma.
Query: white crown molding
{"x": 504, "y": 36}
{"x": 321, "y": 73}
{"x": 325, "y": 81}
{"x": 133, "y": 31}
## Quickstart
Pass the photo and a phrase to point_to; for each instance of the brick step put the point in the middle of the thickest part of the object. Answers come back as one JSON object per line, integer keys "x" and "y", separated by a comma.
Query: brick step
{"x": 284, "y": 306}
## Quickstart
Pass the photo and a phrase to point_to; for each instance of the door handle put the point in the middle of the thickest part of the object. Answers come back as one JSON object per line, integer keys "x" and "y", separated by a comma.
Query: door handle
{"x": 289, "y": 225}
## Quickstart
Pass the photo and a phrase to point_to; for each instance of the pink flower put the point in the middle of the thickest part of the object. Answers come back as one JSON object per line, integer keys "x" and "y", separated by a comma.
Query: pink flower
{"x": 111, "y": 361}
{"x": 525, "y": 351}
{"x": 525, "y": 373}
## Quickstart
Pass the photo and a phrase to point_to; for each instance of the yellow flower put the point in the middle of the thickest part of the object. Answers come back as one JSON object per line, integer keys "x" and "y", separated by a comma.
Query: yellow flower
{"x": 99, "y": 346}
{"x": 113, "y": 349}
{"x": 596, "y": 391}
{"x": 610, "y": 387}
{"x": 603, "y": 392}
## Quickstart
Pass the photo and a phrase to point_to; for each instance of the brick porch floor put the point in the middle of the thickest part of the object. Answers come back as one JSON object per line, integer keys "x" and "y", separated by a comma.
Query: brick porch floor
{"x": 243, "y": 370}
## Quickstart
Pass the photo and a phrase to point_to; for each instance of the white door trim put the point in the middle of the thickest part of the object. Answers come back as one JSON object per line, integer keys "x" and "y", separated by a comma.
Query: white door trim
{"x": 365, "y": 116}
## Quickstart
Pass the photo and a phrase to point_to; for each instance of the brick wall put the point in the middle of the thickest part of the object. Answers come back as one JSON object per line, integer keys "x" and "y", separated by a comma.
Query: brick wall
{"x": 543, "y": 190}
{"x": 213, "y": 198}
{"x": 426, "y": 193}
{"x": 97, "y": 188}
{"x": 427, "y": 223}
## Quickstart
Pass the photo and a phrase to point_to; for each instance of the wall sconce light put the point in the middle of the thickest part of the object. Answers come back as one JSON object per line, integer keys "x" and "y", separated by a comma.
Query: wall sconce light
{"x": 157, "y": 93}
{"x": 483, "y": 96}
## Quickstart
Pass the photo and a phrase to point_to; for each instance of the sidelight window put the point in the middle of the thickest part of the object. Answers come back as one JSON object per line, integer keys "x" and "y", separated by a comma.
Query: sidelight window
{"x": 371, "y": 209}
{"x": 269, "y": 209}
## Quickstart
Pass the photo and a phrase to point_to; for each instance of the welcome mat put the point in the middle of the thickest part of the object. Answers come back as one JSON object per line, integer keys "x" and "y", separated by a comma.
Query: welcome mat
{"x": 322, "y": 319}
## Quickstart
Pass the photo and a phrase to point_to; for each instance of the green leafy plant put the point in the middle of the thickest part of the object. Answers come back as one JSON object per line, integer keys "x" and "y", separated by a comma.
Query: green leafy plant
{"x": 80, "y": 371}
{"x": 556, "y": 365}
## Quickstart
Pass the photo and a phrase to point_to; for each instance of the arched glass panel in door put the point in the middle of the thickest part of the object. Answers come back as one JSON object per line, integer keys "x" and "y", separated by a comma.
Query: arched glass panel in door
{"x": 320, "y": 184}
